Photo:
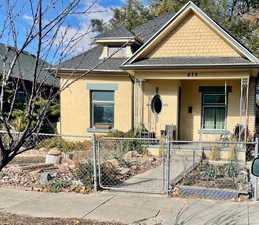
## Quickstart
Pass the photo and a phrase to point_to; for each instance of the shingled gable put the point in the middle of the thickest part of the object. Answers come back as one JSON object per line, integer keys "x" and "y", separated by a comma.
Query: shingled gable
{"x": 147, "y": 57}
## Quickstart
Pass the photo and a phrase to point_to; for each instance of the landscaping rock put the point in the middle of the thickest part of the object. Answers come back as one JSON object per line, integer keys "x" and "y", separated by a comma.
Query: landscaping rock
{"x": 77, "y": 183}
{"x": 114, "y": 162}
{"x": 130, "y": 155}
{"x": 43, "y": 149}
{"x": 124, "y": 171}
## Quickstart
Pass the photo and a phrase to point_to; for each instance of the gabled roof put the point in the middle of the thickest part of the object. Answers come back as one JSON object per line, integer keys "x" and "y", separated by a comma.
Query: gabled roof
{"x": 24, "y": 68}
{"x": 119, "y": 32}
{"x": 148, "y": 29}
{"x": 147, "y": 32}
{"x": 187, "y": 8}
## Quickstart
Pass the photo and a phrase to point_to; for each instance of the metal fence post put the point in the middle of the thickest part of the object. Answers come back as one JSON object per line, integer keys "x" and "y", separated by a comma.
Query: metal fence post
{"x": 168, "y": 166}
{"x": 94, "y": 145}
{"x": 256, "y": 178}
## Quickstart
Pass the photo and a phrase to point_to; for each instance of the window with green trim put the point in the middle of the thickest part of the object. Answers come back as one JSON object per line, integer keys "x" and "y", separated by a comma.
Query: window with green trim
{"x": 214, "y": 111}
{"x": 102, "y": 109}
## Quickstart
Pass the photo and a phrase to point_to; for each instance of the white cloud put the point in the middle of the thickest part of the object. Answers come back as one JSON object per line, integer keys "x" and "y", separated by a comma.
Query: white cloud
{"x": 84, "y": 27}
{"x": 81, "y": 33}
{"x": 28, "y": 18}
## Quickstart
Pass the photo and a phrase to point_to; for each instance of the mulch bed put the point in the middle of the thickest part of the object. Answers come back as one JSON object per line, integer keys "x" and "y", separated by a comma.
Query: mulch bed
{"x": 11, "y": 219}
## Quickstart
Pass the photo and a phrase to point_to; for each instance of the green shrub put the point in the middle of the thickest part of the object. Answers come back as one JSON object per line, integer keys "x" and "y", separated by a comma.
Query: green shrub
{"x": 66, "y": 146}
{"x": 230, "y": 170}
{"x": 210, "y": 173}
{"x": 2, "y": 175}
{"x": 85, "y": 174}
{"x": 124, "y": 146}
{"x": 110, "y": 175}
{"x": 57, "y": 185}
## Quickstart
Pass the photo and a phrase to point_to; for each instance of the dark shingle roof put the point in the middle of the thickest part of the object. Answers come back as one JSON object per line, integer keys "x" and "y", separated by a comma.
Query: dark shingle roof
{"x": 116, "y": 33}
{"x": 148, "y": 29}
{"x": 90, "y": 59}
{"x": 24, "y": 68}
{"x": 191, "y": 60}
{"x": 195, "y": 62}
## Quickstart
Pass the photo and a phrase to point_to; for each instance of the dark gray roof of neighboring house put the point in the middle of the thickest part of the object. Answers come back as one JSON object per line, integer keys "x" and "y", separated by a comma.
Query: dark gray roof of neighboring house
{"x": 119, "y": 32}
{"x": 24, "y": 67}
{"x": 90, "y": 59}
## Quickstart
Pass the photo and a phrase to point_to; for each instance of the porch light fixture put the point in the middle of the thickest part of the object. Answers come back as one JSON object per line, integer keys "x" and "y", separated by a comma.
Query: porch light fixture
{"x": 156, "y": 104}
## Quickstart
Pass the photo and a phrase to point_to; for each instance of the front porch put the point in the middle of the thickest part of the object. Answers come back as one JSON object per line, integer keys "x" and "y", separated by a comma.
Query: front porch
{"x": 204, "y": 106}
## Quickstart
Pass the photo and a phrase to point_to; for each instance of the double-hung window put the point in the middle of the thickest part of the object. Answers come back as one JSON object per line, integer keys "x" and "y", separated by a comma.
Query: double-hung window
{"x": 214, "y": 111}
{"x": 102, "y": 109}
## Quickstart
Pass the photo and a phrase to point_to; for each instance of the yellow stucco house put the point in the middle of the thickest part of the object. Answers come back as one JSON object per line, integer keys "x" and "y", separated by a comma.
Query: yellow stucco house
{"x": 182, "y": 70}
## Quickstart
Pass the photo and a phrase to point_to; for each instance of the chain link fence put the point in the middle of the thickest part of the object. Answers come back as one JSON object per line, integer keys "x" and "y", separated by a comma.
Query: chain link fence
{"x": 132, "y": 164}
{"x": 145, "y": 165}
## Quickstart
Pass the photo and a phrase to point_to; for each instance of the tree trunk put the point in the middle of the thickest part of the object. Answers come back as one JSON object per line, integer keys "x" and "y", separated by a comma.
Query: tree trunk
{"x": 4, "y": 159}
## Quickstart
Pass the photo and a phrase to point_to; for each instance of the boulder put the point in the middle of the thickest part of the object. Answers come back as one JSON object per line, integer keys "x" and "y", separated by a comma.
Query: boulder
{"x": 124, "y": 171}
{"x": 114, "y": 162}
{"x": 129, "y": 155}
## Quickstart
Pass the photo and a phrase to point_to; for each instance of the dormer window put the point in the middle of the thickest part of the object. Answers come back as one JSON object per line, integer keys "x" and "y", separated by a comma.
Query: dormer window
{"x": 117, "y": 51}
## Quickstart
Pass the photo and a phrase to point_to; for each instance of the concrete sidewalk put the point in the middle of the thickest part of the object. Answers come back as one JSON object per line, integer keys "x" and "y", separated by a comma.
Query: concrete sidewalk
{"x": 129, "y": 208}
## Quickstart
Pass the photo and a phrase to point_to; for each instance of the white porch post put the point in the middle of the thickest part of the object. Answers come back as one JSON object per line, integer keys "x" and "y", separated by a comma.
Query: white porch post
{"x": 244, "y": 89}
{"x": 138, "y": 103}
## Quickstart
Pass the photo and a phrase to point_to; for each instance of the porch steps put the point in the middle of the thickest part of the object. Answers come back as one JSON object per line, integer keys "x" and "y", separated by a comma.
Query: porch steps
{"x": 207, "y": 193}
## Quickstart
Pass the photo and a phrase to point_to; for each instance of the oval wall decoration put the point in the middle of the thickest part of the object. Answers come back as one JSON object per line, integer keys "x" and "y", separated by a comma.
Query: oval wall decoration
{"x": 156, "y": 104}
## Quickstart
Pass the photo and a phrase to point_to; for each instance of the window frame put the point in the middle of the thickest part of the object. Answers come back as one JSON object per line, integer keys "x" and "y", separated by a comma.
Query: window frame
{"x": 214, "y": 105}
{"x": 92, "y": 102}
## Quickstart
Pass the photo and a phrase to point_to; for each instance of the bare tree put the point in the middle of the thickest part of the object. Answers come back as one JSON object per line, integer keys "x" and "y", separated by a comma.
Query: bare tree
{"x": 52, "y": 40}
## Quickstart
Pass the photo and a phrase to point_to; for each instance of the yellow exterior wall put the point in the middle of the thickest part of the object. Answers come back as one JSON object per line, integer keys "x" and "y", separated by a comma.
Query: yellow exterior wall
{"x": 193, "y": 37}
{"x": 191, "y": 122}
{"x": 168, "y": 91}
{"x": 75, "y": 104}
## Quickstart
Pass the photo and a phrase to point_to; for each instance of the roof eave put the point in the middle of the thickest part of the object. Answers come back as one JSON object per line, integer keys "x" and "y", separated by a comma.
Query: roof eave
{"x": 80, "y": 71}
{"x": 189, "y": 66}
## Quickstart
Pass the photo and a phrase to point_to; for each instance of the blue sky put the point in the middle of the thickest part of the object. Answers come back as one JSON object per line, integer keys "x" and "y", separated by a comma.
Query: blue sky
{"x": 77, "y": 24}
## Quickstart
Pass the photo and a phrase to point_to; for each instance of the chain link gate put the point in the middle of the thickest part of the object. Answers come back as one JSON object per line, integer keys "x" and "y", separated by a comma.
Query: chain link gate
{"x": 126, "y": 164}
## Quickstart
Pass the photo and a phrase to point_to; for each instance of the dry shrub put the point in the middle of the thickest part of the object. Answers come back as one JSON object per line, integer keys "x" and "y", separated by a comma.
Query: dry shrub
{"x": 66, "y": 146}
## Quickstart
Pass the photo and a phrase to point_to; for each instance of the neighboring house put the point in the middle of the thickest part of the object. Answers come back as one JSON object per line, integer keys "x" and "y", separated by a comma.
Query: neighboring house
{"x": 24, "y": 69}
{"x": 24, "y": 73}
{"x": 182, "y": 70}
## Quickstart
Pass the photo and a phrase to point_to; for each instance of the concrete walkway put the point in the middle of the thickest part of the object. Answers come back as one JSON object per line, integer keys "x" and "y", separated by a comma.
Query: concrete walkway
{"x": 153, "y": 180}
{"x": 129, "y": 208}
